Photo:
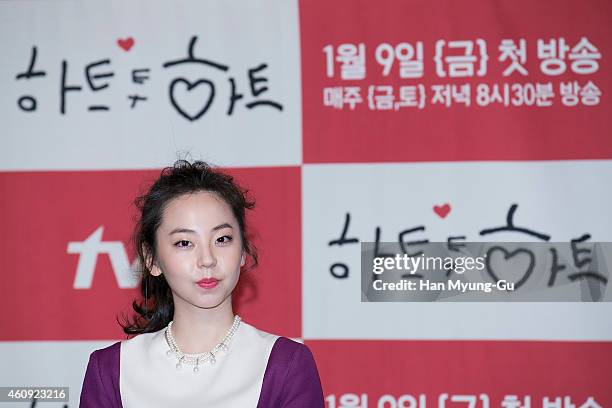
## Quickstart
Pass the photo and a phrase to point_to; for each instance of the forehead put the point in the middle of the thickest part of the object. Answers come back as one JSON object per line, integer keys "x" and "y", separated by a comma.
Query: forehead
{"x": 203, "y": 208}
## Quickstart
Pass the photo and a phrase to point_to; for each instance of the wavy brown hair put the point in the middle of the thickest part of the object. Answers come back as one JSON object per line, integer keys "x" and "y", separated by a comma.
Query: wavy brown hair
{"x": 156, "y": 308}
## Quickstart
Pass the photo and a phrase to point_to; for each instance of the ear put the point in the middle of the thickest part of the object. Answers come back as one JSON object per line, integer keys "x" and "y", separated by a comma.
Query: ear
{"x": 155, "y": 269}
{"x": 242, "y": 259}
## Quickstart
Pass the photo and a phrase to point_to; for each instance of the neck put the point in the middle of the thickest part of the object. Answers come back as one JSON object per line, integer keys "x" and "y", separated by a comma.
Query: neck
{"x": 198, "y": 330}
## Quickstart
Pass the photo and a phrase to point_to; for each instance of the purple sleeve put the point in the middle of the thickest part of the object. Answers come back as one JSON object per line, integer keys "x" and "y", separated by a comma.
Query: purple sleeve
{"x": 101, "y": 382}
{"x": 291, "y": 379}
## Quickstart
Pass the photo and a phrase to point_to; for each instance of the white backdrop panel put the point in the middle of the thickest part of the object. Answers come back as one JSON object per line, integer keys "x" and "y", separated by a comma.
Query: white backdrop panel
{"x": 562, "y": 199}
{"x": 152, "y": 133}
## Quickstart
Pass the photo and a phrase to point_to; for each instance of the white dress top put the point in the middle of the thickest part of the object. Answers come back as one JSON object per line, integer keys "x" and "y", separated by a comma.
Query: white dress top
{"x": 149, "y": 377}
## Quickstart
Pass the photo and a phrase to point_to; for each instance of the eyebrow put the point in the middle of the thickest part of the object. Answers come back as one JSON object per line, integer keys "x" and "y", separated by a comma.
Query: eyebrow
{"x": 190, "y": 231}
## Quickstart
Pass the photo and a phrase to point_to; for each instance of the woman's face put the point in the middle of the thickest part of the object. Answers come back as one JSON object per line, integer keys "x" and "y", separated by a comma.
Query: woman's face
{"x": 199, "y": 250}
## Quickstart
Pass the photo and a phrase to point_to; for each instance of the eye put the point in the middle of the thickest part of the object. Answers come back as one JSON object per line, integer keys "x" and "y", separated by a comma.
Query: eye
{"x": 183, "y": 243}
{"x": 224, "y": 240}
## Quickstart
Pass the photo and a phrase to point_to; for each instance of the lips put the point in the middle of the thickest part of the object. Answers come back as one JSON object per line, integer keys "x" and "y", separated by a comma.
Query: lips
{"x": 208, "y": 283}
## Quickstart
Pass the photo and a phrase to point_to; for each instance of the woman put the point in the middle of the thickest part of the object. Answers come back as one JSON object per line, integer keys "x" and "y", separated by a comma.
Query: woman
{"x": 190, "y": 349}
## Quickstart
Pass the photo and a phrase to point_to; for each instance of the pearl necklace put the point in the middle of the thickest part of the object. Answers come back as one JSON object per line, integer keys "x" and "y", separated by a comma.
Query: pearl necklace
{"x": 184, "y": 358}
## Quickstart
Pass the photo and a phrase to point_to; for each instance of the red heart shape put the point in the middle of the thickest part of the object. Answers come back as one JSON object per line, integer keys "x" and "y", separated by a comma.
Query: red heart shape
{"x": 125, "y": 43}
{"x": 442, "y": 210}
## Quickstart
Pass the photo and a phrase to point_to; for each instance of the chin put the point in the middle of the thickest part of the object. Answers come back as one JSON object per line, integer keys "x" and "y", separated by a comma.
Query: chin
{"x": 208, "y": 305}
{"x": 208, "y": 301}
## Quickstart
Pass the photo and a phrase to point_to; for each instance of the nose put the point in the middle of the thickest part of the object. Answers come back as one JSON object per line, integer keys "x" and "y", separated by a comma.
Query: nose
{"x": 206, "y": 257}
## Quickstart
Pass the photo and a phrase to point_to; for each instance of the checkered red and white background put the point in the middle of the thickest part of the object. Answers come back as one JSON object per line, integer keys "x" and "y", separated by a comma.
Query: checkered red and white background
{"x": 441, "y": 118}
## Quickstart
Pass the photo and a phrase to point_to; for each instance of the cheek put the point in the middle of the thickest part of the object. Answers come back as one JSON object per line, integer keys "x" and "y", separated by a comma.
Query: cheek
{"x": 232, "y": 258}
{"x": 173, "y": 265}
{"x": 177, "y": 279}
